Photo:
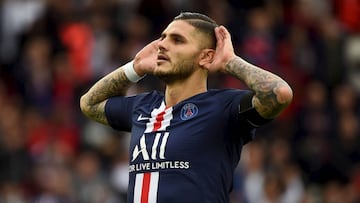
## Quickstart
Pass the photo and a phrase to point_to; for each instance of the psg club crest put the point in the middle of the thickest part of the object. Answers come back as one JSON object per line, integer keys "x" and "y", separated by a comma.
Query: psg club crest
{"x": 188, "y": 111}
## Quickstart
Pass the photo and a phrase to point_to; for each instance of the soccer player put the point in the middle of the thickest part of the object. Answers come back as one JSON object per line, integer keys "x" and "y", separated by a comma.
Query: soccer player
{"x": 186, "y": 142}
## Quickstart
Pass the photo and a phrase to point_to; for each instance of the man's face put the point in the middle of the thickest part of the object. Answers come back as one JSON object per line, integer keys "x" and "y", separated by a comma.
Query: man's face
{"x": 179, "y": 50}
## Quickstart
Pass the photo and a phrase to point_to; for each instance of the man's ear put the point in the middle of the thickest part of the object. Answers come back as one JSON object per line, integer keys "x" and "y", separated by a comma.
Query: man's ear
{"x": 206, "y": 57}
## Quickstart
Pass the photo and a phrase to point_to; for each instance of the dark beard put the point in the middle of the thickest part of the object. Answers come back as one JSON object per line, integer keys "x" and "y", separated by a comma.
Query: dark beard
{"x": 181, "y": 72}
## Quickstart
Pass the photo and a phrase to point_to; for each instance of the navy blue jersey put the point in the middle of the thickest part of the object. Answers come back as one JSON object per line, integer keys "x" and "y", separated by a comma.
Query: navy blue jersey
{"x": 184, "y": 153}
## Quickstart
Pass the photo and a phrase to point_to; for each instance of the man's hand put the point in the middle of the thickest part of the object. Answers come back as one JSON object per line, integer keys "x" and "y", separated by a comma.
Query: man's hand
{"x": 145, "y": 59}
{"x": 224, "y": 50}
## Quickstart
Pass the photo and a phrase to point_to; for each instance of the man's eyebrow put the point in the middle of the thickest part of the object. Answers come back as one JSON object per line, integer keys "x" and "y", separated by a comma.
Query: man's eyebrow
{"x": 172, "y": 35}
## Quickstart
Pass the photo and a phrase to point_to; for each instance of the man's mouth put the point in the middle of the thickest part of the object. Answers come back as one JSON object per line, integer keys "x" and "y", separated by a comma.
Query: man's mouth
{"x": 162, "y": 57}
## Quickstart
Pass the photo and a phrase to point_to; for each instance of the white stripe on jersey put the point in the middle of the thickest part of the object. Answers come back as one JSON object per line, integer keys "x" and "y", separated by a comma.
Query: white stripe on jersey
{"x": 138, "y": 187}
{"x": 154, "y": 182}
{"x": 160, "y": 119}
{"x": 146, "y": 187}
{"x": 167, "y": 118}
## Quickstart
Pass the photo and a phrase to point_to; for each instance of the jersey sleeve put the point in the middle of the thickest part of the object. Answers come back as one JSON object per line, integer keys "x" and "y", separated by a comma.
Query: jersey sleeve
{"x": 118, "y": 111}
{"x": 244, "y": 118}
{"x": 248, "y": 113}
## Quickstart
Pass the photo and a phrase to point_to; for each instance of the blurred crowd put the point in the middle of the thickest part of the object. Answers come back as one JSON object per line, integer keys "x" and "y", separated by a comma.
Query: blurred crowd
{"x": 52, "y": 51}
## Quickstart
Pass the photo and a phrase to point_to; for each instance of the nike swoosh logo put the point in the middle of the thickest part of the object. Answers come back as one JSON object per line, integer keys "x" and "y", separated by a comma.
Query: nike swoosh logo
{"x": 141, "y": 118}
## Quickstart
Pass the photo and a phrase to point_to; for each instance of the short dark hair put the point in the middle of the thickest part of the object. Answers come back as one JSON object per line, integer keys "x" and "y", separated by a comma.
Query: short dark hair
{"x": 202, "y": 23}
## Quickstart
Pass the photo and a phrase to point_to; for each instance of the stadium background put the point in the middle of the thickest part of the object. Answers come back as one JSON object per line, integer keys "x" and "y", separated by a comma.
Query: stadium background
{"x": 51, "y": 51}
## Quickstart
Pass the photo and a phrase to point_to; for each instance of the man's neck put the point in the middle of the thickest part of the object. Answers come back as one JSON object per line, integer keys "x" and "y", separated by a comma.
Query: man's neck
{"x": 179, "y": 91}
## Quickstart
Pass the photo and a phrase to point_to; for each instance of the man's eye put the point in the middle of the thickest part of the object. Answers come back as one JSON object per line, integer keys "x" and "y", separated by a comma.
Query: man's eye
{"x": 178, "y": 40}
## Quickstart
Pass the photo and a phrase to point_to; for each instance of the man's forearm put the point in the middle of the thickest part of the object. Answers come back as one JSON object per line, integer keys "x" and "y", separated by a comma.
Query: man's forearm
{"x": 113, "y": 84}
{"x": 93, "y": 102}
{"x": 272, "y": 94}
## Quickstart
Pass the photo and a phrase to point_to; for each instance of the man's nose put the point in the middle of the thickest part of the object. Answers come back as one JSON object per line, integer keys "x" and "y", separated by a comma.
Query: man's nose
{"x": 162, "y": 45}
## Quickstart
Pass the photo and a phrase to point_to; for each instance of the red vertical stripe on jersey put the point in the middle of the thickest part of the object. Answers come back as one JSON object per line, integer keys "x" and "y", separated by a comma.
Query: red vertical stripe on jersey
{"x": 145, "y": 188}
{"x": 159, "y": 119}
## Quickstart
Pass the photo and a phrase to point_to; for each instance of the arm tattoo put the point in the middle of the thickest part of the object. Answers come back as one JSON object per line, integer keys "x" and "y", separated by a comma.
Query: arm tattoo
{"x": 266, "y": 85}
{"x": 93, "y": 102}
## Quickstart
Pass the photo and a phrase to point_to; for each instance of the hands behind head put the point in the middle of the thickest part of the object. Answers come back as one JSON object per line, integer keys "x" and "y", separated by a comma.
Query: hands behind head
{"x": 145, "y": 59}
{"x": 224, "y": 50}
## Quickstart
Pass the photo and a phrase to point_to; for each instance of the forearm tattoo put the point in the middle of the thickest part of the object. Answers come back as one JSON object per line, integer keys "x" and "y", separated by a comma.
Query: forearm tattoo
{"x": 265, "y": 84}
{"x": 93, "y": 102}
